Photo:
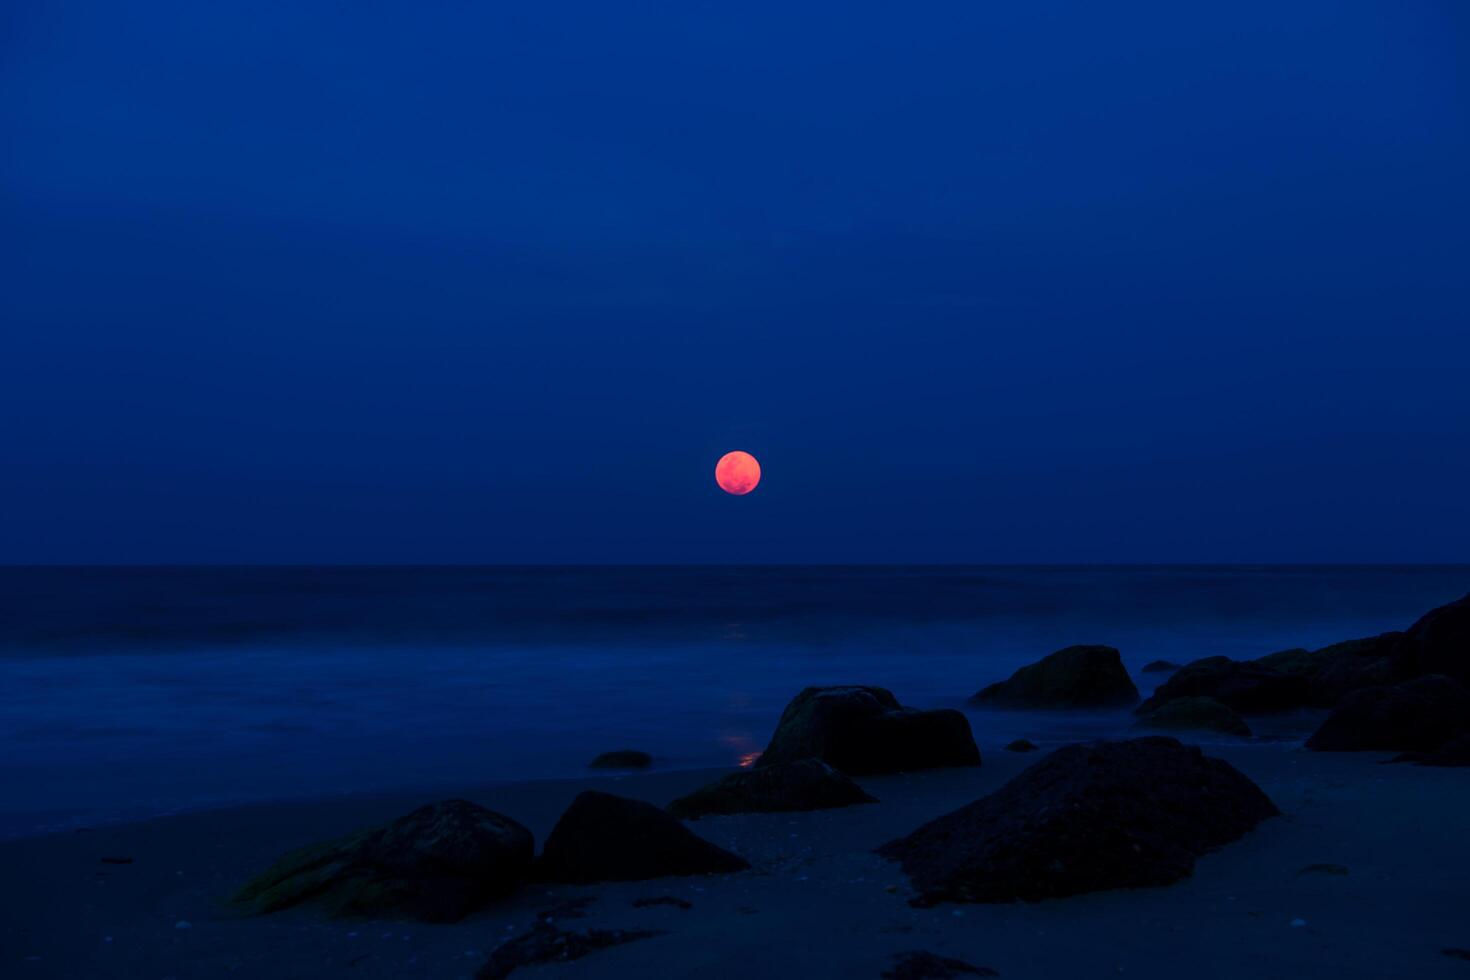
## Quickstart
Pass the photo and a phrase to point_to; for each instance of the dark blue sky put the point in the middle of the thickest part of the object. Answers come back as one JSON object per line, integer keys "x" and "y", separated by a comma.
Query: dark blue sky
{"x": 1054, "y": 281}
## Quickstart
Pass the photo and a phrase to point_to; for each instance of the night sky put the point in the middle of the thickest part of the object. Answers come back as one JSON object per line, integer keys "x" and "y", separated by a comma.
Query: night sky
{"x": 301, "y": 281}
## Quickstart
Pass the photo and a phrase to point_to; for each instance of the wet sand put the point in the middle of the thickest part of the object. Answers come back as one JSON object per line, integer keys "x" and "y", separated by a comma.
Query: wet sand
{"x": 817, "y": 903}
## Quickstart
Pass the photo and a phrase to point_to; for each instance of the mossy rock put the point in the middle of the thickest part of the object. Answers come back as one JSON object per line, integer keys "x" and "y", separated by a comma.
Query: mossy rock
{"x": 437, "y": 864}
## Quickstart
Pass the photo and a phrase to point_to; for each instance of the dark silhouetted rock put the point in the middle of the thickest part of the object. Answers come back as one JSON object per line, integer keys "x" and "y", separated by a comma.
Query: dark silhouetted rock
{"x": 1351, "y": 666}
{"x": 602, "y": 837}
{"x": 1087, "y": 817}
{"x": 1077, "y": 677}
{"x": 1020, "y": 745}
{"x": 1439, "y": 643}
{"x": 1454, "y": 753}
{"x": 1160, "y": 667}
{"x": 653, "y": 901}
{"x": 547, "y": 944}
{"x": 622, "y": 759}
{"x": 807, "y": 784}
{"x": 864, "y": 730}
{"x": 924, "y": 965}
{"x": 1245, "y": 686}
{"x": 1193, "y": 715}
{"x": 1339, "y": 669}
{"x": 1416, "y": 716}
{"x": 437, "y": 864}
{"x": 1294, "y": 661}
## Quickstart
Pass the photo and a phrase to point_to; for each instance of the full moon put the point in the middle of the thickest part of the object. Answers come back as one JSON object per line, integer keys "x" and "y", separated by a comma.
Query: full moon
{"x": 737, "y": 473}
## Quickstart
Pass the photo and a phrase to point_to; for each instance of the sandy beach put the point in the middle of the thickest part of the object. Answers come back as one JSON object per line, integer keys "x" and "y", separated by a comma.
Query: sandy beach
{"x": 1387, "y": 895}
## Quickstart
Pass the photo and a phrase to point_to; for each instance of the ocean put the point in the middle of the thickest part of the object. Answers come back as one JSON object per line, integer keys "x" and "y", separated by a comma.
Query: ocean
{"x": 133, "y": 692}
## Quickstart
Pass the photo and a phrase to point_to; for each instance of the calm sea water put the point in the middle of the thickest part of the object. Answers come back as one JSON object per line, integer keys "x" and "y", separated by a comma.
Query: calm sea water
{"x": 132, "y": 692}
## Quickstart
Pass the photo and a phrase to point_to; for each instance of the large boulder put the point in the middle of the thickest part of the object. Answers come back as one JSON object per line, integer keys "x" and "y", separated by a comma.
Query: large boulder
{"x": 1193, "y": 715}
{"x": 1351, "y": 666}
{"x": 437, "y": 864}
{"x": 1439, "y": 643}
{"x": 1087, "y": 817}
{"x": 1245, "y": 686}
{"x": 1077, "y": 677}
{"x": 1416, "y": 716}
{"x": 1339, "y": 669}
{"x": 602, "y": 837}
{"x": 807, "y": 784}
{"x": 864, "y": 730}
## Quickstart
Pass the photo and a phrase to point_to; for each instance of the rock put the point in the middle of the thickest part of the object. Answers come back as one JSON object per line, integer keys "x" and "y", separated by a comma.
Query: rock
{"x": 1193, "y": 715}
{"x": 656, "y": 900}
{"x": 806, "y": 784}
{"x": 1295, "y": 661}
{"x": 437, "y": 864}
{"x": 1160, "y": 667}
{"x": 1339, "y": 669}
{"x": 1416, "y": 716}
{"x": 1087, "y": 817}
{"x": 1077, "y": 677}
{"x": 1455, "y": 953}
{"x": 1245, "y": 686}
{"x": 921, "y": 964}
{"x": 1454, "y": 753}
{"x": 622, "y": 759}
{"x": 1439, "y": 643}
{"x": 1020, "y": 745}
{"x": 864, "y": 730}
{"x": 1351, "y": 666}
{"x": 1324, "y": 869}
{"x": 547, "y": 944}
{"x": 602, "y": 837}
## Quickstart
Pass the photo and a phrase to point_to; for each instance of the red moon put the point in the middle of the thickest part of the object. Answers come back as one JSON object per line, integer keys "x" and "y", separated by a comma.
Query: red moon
{"x": 737, "y": 473}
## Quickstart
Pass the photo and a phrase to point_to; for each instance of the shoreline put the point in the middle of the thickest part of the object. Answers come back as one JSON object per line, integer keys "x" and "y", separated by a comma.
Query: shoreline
{"x": 817, "y": 902}
{"x": 1046, "y": 729}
